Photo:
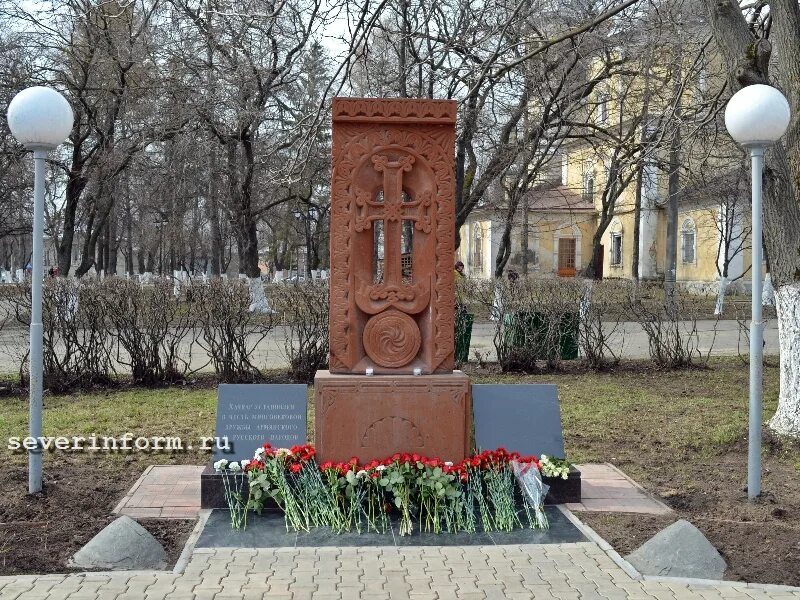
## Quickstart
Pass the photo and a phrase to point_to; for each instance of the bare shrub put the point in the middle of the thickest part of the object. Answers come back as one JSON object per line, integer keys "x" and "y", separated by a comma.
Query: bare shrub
{"x": 601, "y": 327}
{"x": 670, "y": 322}
{"x": 7, "y": 292}
{"x": 742, "y": 311}
{"x": 77, "y": 338}
{"x": 150, "y": 324}
{"x": 535, "y": 319}
{"x": 227, "y": 331}
{"x": 305, "y": 308}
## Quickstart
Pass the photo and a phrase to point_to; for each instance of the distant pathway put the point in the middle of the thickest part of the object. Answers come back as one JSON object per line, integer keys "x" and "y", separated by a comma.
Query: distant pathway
{"x": 555, "y": 571}
{"x": 726, "y": 336}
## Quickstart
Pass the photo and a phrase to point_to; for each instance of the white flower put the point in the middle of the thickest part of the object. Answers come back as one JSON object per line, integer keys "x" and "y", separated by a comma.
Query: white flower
{"x": 543, "y": 458}
{"x": 281, "y": 452}
{"x": 447, "y": 463}
{"x": 380, "y": 468}
{"x": 259, "y": 453}
{"x": 234, "y": 467}
{"x": 244, "y": 463}
{"x": 220, "y": 465}
{"x": 362, "y": 473}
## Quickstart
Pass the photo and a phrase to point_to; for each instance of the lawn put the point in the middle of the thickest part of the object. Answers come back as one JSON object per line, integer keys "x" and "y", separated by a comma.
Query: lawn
{"x": 681, "y": 434}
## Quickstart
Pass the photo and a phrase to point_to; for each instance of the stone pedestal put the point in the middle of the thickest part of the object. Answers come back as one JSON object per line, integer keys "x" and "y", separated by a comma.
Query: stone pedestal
{"x": 374, "y": 417}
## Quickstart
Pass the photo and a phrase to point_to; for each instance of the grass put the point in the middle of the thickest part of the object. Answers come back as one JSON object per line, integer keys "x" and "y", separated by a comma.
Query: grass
{"x": 686, "y": 411}
{"x": 182, "y": 412}
{"x": 603, "y": 414}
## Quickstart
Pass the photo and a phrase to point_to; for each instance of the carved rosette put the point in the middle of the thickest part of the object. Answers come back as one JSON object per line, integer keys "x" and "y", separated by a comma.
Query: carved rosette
{"x": 392, "y": 338}
{"x": 425, "y": 130}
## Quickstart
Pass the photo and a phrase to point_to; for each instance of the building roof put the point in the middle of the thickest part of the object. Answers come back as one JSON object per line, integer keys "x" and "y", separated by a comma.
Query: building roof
{"x": 550, "y": 198}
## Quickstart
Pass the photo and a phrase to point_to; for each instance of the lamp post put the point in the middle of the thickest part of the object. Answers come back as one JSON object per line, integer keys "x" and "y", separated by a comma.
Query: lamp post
{"x": 756, "y": 117}
{"x": 40, "y": 119}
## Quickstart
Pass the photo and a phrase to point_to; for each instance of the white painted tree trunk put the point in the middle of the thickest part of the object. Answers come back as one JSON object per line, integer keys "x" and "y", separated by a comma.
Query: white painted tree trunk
{"x": 258, "y": 297}
{"x": 768, "y": 295}
{"x": 786, "y": 420}
{"x": 723, "y": 286}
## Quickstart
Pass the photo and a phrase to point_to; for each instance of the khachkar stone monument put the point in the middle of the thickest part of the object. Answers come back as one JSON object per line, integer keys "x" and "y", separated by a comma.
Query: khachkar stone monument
{"x": 391, "y": 386}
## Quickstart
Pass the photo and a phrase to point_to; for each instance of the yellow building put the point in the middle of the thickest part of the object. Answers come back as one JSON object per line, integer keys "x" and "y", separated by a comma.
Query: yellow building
{"x": 555, "y": 223}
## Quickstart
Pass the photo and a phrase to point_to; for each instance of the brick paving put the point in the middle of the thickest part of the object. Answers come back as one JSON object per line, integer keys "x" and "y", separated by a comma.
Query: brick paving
{"x": 604, "y": 488}
{"x": 567, "y": 571}
{"x": 164, "y": 492}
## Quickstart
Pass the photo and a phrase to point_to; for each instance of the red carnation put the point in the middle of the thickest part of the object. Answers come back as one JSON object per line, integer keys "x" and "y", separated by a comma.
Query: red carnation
{"x": 295, "y": 468}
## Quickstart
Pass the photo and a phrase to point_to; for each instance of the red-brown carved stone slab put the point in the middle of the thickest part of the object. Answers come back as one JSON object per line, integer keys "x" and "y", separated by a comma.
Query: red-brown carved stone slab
{"x": 392, "y": 172}
{"x": 374, "y": 417}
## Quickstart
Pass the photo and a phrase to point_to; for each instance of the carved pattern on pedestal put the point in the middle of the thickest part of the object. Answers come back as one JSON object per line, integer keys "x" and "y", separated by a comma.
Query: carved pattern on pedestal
{"x": 390, "y": 427}
{"x": 377, "y": 416}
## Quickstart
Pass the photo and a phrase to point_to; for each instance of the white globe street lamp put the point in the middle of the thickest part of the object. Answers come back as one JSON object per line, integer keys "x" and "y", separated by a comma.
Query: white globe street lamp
{"x": 40, "y": 119}
{"x": 756, "y": 117}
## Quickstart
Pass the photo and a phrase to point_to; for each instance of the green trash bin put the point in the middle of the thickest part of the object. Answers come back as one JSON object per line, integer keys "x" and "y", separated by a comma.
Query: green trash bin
{"x": 464, "y": 323}
{"x": 568, "y": 336}
{"x": 529, "y": 330}
{"x": 525, "y": 330}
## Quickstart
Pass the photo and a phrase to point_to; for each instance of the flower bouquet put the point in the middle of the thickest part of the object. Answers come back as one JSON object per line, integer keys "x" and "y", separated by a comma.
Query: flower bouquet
{"x": 501, "y": 489}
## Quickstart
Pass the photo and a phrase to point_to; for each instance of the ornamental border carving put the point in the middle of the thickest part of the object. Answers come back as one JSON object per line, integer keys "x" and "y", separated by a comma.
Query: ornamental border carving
{"x": 405, "y": 110}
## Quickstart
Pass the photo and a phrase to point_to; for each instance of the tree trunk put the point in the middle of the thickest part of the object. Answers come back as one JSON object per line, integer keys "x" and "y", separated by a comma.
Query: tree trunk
{"x": 746, "y": 60}
{"x": 673, "y": 184}
{"x": 525, "y": 235}
{"x": 637, "y": 217}
{"x": 241, "y": 199}
{"x": 129, "y": 232}
{"x": 671, "y": 257}
{"x": 74, "y": 189}
{"x": 786, "y": 420}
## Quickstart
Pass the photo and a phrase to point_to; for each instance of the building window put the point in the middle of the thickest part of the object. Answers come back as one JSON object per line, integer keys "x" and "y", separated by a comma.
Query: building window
{"x": 533, "y": 250}
{"x": 477, "y": 246}
{"x": 567, "y": 250}
{"x": 688, "y": 245}
{"x": 602, "y": 108}
{"x": 588, "y": 185}
{"x": 616, "y": 249}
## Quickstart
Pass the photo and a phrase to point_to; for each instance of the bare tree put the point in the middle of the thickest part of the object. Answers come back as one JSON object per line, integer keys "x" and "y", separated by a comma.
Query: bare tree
{"x": 745, "y": 42}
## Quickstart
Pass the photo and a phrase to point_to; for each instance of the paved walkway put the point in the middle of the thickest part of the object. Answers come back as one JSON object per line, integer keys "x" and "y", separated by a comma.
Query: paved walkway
{"x": 164, "y": 492}
{"x": 570, "y": 571}
{"x": 604, "y": 488}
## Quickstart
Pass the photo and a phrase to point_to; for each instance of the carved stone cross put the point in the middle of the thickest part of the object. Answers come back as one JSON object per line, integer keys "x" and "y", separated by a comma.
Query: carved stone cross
{"x": 394, "y": 208}
{"x": 393, "y": 163}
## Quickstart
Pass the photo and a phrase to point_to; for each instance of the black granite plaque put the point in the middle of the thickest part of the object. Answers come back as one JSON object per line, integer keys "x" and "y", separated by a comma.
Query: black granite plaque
{"x": 525, "y": 418}
{"x": 250, "y": 414}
